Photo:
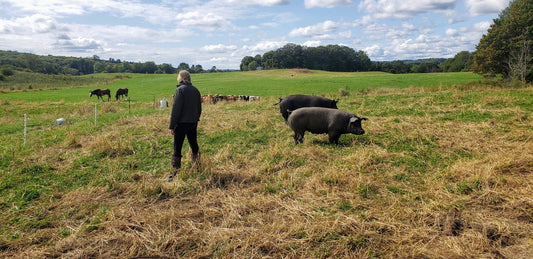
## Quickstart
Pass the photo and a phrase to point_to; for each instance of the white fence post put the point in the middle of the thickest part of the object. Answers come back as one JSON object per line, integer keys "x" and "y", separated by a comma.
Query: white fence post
{"x": 25, "y": 123}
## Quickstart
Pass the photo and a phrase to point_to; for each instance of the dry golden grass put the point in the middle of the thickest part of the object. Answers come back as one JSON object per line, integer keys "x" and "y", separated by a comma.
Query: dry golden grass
{"x": 416, "y": 186}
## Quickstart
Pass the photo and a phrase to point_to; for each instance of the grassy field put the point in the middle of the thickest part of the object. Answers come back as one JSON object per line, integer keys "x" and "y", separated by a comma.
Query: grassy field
{"x": 23, "y": 81}
{"x": 445, "y": 170}
{"x": 268, "y": 83}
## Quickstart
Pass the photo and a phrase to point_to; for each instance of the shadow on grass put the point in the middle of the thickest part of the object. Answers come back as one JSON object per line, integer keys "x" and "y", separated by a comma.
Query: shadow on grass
{"x": 346, "y": 140}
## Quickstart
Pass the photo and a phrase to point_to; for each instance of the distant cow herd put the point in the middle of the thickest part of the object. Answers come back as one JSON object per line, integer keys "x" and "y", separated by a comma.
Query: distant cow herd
{"x": 100, "y": 93}
{"x": 122, "y": 93}
{"x": 214, "y": 98}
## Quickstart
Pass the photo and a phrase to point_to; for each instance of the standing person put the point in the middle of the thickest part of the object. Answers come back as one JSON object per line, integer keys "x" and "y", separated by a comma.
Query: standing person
{"x": 186, "y": 111}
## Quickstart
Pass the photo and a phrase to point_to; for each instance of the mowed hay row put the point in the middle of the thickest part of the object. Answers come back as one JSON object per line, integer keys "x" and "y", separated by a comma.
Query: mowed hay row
{"x": 447, "y": 176}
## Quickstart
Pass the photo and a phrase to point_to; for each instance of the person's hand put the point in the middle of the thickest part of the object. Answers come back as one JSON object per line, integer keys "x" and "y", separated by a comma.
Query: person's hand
{"x": 172, "y": 132}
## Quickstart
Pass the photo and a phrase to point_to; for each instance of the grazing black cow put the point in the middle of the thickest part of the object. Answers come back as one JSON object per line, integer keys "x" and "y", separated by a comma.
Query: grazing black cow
{"x": 100, "y": 93}
{"x": 122, "y": 92}
{"x": 293, "y": 102}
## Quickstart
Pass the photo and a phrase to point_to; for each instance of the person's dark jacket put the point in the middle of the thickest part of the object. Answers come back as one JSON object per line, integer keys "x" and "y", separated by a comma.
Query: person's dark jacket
{"x": 187, "y": 106}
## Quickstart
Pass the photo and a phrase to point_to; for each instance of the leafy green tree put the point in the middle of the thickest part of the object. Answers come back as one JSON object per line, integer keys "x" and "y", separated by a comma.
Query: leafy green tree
{"x": 7, "y": 72}
{"x": 99, "y": 67}
{"x": 506, "y": 46}
{"x": 196, "y": 69}
{"x": 245, "y": 62}
{"x": 257, "y": 59}
{"x": 426, "y": 67}
{"x": 166, "y": 68}
{"x": 109, "y": 68}
{"x": 137, "y": 67}
{"x": 253, "y": 66}
{"x": 290, "y": 56}
{"x": 362, "y": 61}
{"x": 394, "y": 67}
{"x": 268, "y": 60}
{"x": 461, "y": 62}
{"x": 125, "y": 67}
{"x": 183, "y": 66}
{"x": 150, "y": 67}
{"x": 213, "y": 69}
{"x": 33, "y": 63}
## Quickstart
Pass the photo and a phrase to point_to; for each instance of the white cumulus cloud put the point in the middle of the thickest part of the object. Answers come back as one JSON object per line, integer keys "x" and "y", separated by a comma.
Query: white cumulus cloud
{"x": 264, "y": 46}
{"x": 77, "y": 44}
{"x": 312, "y": 43}
{"x": 327, "y": 3}
{"x": 451, "y": 32}
{"x": 481, "y": 7}
{"x": 59, "y": 8}
{"x": 261, "y": 2}
{"x": 219, "y": 48}
{"x": 36, "y": 23}
{"x": 206, "y": 21}
{"x": 315, "y": 30}
{"x": 403, "y": 9}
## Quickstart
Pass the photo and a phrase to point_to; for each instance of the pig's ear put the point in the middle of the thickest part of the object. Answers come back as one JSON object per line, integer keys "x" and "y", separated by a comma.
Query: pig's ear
{"x": 353, "y": 119}
{"x": 364, "y": 118}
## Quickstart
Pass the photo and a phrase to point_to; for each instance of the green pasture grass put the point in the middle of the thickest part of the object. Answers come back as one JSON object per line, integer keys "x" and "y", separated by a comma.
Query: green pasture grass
{"x": 427, "y": 151}
{"x": 267, "y": 83}
{"x": 22, "y": 80}
{"x": 279, "y": 83}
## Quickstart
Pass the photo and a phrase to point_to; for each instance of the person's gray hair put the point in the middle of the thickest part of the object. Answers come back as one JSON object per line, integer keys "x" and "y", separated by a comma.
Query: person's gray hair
{"x": 184, "y": 77}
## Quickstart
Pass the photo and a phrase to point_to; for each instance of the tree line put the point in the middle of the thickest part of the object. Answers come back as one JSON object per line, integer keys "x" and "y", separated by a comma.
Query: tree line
{"x": 338, "y": 58}
{"x": 54, "y": 65}
{"x": 330, "y": 58}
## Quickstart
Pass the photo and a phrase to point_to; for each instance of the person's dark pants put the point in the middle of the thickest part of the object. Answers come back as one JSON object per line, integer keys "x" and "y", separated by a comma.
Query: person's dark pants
{"x": 182, "y": 130}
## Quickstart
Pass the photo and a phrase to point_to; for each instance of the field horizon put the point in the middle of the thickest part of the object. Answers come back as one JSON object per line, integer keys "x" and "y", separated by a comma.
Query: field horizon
{"x": 444, "y": 170}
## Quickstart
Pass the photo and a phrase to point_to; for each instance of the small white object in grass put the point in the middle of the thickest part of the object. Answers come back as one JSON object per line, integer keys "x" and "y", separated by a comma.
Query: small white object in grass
{"x": 59, "y": 121}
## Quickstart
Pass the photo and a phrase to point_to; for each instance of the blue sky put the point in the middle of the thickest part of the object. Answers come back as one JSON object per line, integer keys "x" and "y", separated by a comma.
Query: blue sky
{"x": 221, "y": 32}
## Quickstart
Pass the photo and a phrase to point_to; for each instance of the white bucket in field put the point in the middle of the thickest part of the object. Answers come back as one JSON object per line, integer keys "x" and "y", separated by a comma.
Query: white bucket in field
{"x": 163, "y": 103}
{"x": 59, "y": 121}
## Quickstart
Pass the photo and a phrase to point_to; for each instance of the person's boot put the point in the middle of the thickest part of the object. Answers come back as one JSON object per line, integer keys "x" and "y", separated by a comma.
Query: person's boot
{"x": 175, "y": 162}
{"x": 195, "y": 160}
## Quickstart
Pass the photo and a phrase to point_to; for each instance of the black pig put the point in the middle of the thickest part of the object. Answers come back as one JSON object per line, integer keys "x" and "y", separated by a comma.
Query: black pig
{"x": 319, "y": 120}
{"x": 293, "y": 102}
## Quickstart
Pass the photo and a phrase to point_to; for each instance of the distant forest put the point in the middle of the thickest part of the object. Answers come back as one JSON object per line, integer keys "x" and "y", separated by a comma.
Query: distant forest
{"x": 328, "y": 58}
{"x": 344, "y": 59}
{"x": 54, "y": 65}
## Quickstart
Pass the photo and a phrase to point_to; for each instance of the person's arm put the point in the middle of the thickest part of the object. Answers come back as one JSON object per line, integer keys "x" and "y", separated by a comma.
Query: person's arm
{"x": 176, "y": 110}
{"x": 200, "y": 103}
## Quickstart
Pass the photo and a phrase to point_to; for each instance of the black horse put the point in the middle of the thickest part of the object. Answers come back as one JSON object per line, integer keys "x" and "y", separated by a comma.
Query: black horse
{"x": 100, "y": 93}
{"x": 122, "y": 92}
